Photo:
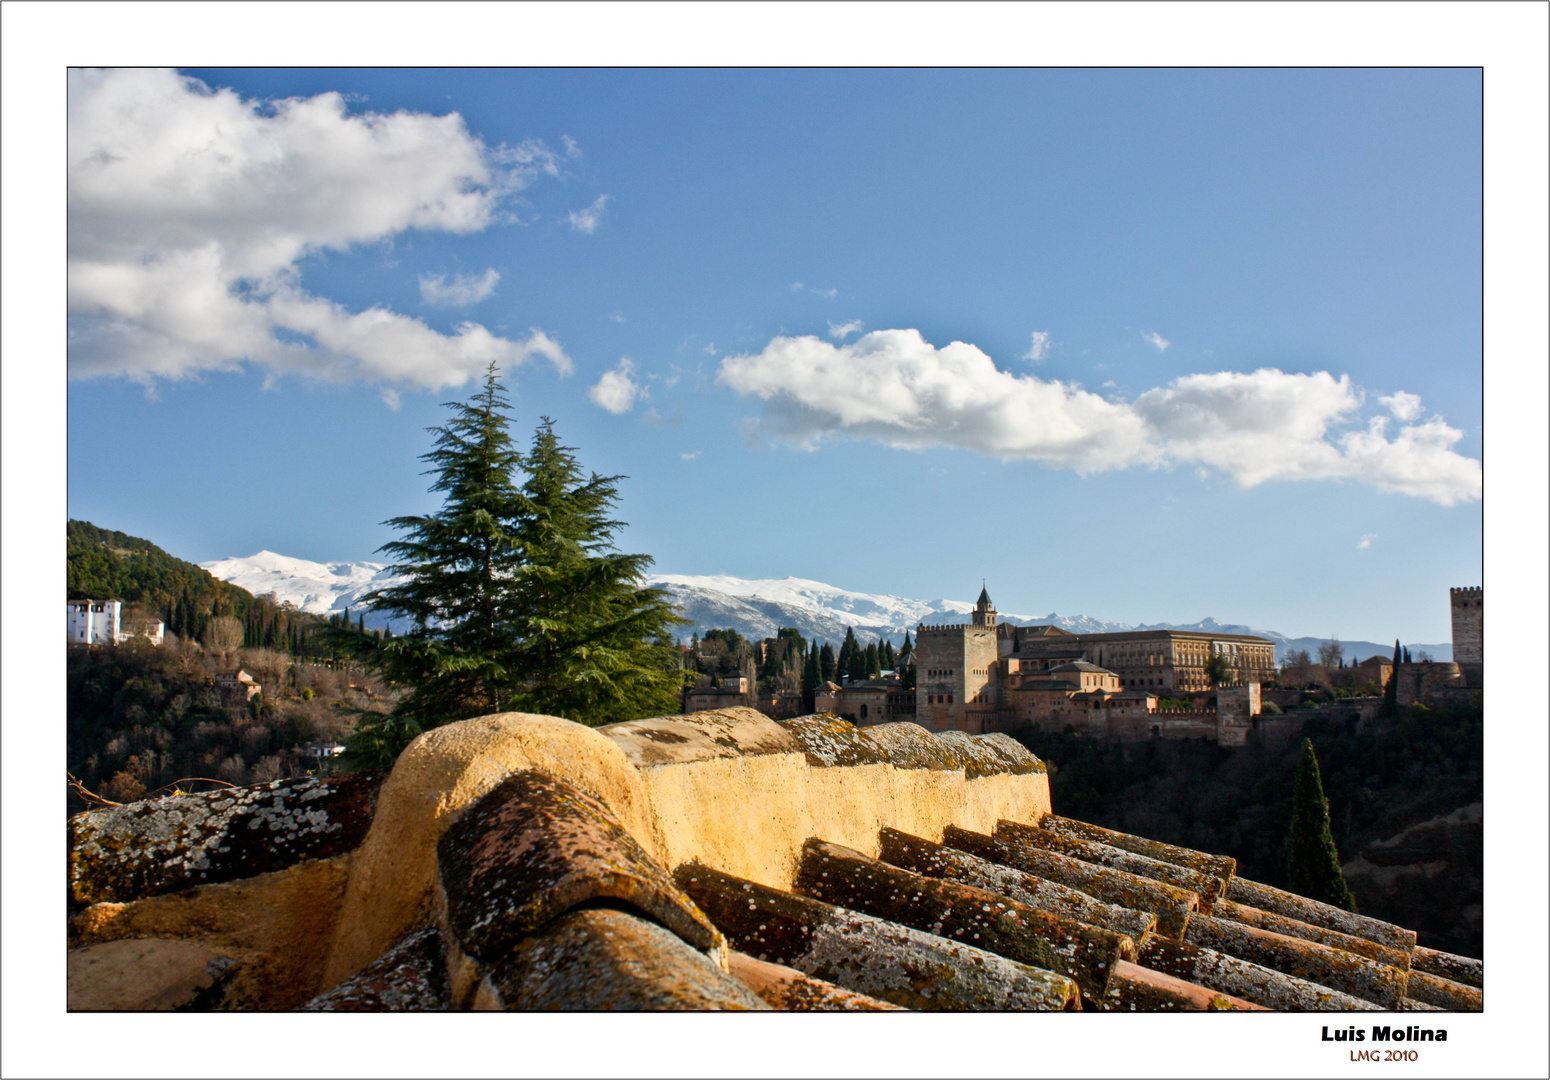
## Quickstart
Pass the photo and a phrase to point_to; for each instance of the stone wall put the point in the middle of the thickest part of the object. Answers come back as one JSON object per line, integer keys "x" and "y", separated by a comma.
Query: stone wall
{"x": 954, "y": 667}
{"x": 1468, "y": 606}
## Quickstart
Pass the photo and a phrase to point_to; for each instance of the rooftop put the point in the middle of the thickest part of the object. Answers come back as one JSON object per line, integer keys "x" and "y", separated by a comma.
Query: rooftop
{"x": 525, "y": 862}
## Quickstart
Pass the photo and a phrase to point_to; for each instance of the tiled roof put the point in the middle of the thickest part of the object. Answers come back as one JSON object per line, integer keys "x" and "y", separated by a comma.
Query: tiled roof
{"x": 713, "y": 861}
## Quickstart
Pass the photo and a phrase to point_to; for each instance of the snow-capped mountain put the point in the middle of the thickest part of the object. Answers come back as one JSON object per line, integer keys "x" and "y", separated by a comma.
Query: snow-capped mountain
{"x": 317, "y": 588}
{"x": 755, "y": 608}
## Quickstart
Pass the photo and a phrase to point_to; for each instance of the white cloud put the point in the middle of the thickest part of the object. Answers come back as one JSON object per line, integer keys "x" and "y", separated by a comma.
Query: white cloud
{"x": 461, "y": 291}
{"x": 587, "y": 221}
{"x": 191, "y": 210}
{"x": 1039, "y": 347}
{"x": 1366, "y": 541}
{"x": 1156, "y": 340}
{"x": 828, "y": 293}
{"x": 796, "y": 286}
{"x": 896, "y": 388}
{"x": 1404, "y": 406}
{"x": 709, "y": 349}
{"x": 617, "y": 316}
{"x": 617, "y": 391}
{"x": 893, "y": 386}
{"x": 690, "y": 456}
{"x": 841, "y": 331}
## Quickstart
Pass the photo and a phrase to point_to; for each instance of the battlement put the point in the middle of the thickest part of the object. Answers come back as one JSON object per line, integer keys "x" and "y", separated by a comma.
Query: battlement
{"x": 950, "y": 628}
{"x": 1467, "y": 590}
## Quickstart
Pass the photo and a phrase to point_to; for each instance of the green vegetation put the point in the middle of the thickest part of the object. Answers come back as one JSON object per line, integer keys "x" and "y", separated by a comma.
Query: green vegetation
{"x": 517, "y": 596}
{"x": 103, "y": 564}
{"x": 1379, "y": 778}
{"x": 1312, "y": 862}
{"x": 140, "y": 718}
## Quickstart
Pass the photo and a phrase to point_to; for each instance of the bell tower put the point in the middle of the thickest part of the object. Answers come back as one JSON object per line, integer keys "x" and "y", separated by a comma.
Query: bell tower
{"x": 984, "y": 610}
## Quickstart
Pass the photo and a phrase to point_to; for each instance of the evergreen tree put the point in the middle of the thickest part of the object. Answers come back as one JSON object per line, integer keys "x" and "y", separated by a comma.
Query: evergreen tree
{"x": 593, "y": 638}
{"x": 812, "y": 675}
{"x": 1390, "y": 706}
{"x": 1312, "y": 863}
{"x": 852, "y": 662}
{"x": 874, "y": 661}
{"x": 828, "y": 665}
{"x": 515, "y": 597}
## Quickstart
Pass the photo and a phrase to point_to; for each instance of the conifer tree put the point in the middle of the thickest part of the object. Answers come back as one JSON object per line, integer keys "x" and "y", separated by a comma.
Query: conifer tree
{"x": 812, "y": 675}
{"x": 828, "y": 665}
{"x": 1390, "y": 706}
{"x": 1312, "y": 863}
{"x": 514, "y": 594}
{"x": 592, "y": 637}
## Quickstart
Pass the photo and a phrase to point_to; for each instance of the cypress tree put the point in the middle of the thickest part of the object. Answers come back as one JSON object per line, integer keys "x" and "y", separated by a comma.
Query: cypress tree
{"x": 1312, "y": 863}
{"x": 812, "y": 675}
{"x": 828, "y": 665}
{"x": 873, "y": 660}
{"x": 1390, "y": 706}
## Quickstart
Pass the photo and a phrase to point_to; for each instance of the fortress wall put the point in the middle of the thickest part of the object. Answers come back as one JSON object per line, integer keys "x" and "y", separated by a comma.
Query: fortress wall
{"x": 749, "y": 816}
{"x": 1468, "y": 609}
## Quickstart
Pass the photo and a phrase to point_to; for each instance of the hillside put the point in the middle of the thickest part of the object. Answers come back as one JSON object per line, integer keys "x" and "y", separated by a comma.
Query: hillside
{"x": 105, "y": 564}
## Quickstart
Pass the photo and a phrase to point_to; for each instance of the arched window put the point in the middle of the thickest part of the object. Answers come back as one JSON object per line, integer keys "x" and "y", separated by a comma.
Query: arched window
{"x": 863, "y": 712}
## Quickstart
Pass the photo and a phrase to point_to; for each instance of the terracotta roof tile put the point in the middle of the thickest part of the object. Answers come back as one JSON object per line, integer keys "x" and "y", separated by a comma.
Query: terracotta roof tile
{"x": 870, "y": 955}
{"x": 536, "y": 895}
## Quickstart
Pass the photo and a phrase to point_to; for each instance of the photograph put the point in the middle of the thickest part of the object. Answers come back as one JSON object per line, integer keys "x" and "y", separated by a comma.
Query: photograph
{"x": 978, "y": 539}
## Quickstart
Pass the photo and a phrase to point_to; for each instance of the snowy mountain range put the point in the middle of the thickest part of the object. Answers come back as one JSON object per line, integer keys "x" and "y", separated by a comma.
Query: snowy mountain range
{"x": 755, "y": 608}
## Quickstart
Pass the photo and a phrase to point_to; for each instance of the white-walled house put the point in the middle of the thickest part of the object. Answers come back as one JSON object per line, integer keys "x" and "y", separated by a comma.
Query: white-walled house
{"x": 93, "y": 622}
{"x": 101, "y": 622}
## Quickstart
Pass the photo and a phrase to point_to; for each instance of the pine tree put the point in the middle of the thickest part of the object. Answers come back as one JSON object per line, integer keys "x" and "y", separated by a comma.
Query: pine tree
{"x": 1312, "y": 863}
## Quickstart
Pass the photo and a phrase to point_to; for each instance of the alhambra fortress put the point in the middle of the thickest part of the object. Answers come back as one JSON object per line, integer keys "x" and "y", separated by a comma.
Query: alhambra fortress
{"x": 986, "y": 676}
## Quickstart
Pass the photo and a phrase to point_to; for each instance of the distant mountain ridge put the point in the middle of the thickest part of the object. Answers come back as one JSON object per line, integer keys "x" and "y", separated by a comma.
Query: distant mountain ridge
{"x": 755, "y": 608}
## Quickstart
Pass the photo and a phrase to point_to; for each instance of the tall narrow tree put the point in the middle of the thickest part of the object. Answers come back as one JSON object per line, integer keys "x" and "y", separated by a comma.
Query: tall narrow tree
{"x": 1312, "y": 862}
{"x": 812, "y": 675}
{"x": 1390, "y": 706}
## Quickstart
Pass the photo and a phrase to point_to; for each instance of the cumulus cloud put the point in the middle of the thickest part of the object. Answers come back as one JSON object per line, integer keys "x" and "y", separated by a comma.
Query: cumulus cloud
{"x": 841, "y": 331}
{"x": 192, "y": 209}
{"x": 1366, "y": 541}
{"x": 893, "y": 386}
{"x": 1156, "y": 340}
{"x": 587, "y": 221}
{"x": 617, "y": 391}
{"x": 896, "y": 388}
{"x": 1404, "y": 406}
{"x": 461, "y": 290}
{"x": 1039, "y": 347}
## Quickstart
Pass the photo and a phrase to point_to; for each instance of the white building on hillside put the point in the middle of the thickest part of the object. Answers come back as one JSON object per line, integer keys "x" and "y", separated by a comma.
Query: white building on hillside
{"x": 93, "y": 622}
{"x": 101, "y": 622}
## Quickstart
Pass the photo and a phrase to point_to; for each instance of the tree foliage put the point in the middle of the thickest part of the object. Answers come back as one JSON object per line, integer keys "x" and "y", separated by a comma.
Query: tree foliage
{"x": 517, "y": 596}
{"x": 1312, "y": 861}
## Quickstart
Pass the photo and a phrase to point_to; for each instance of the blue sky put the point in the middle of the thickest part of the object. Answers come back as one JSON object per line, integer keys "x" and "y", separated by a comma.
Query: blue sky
{"x": 1220, "y": 330}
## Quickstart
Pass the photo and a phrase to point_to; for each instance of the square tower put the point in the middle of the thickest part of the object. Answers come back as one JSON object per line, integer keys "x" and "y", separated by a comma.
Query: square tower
{"x": 1468, "y": 623}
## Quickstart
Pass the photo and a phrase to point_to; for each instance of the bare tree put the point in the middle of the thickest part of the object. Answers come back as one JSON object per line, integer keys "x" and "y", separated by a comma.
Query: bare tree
{"x": 1296, "y": 666}
{"x": 1330, "y": 654}
{"x": 223, "y": 634}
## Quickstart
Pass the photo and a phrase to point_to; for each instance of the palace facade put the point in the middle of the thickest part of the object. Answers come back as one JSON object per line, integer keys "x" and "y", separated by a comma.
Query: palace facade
{"x": 986, "y": 675}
